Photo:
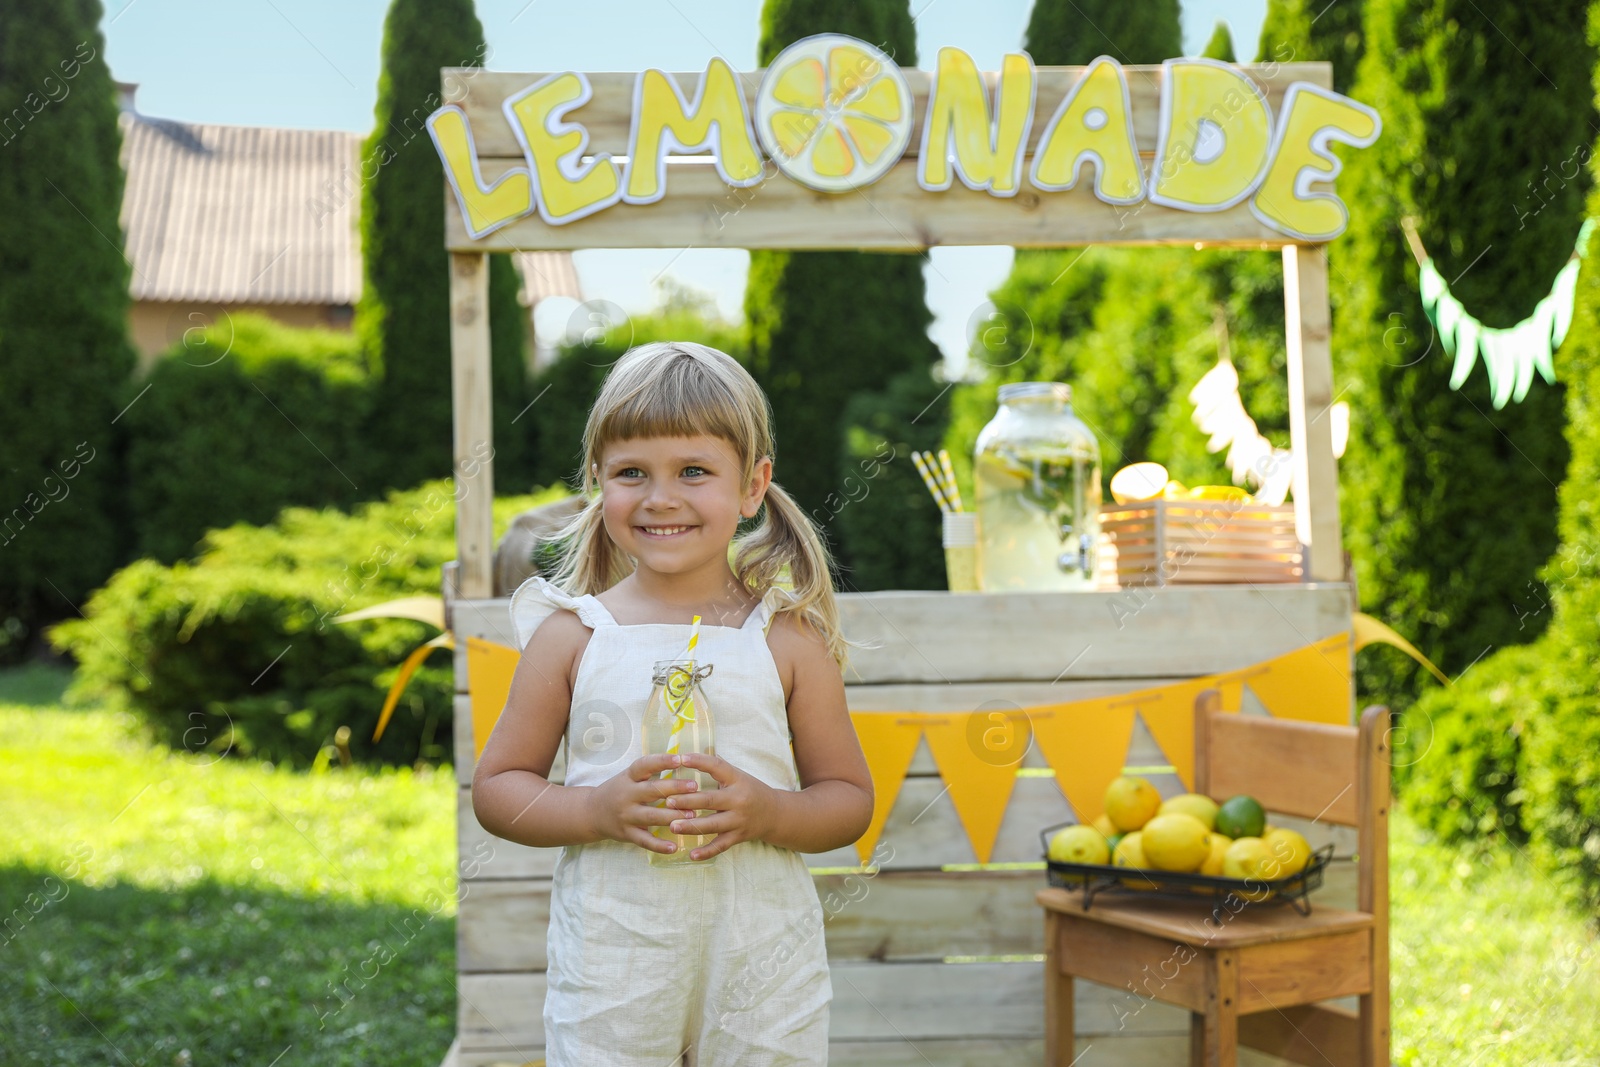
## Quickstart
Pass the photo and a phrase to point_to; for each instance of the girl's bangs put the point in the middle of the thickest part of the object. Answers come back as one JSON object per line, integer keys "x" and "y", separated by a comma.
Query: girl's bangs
{"x": 675, "y": 404}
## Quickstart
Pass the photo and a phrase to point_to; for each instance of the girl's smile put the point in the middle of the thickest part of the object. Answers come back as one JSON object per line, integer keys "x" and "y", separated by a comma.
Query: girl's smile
{"x": 664, "y": 533}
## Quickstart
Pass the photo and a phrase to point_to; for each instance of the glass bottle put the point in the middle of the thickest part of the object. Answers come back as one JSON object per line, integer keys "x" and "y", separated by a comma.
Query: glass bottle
{"x": 678, "y": 706}
{"x": 1036, "y": 469}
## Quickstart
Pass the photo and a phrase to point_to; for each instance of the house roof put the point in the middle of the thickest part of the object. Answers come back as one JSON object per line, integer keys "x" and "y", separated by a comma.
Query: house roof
{"x": 259, "y": 215}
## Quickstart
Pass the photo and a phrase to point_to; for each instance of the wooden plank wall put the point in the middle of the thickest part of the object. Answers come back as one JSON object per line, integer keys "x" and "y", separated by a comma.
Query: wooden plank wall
{"x": 963, "y": 981}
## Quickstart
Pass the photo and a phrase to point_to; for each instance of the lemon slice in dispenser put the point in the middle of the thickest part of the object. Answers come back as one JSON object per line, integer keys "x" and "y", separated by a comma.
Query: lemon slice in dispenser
{"x": 834, "y": 113}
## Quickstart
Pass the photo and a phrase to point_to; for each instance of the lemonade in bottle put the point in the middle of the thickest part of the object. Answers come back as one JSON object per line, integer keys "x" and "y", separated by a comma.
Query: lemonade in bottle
{"x": 678, "y": 719}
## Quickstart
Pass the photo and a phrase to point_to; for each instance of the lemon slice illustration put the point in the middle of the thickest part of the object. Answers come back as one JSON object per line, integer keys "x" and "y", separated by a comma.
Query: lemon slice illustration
{"x": 834, "y": 113}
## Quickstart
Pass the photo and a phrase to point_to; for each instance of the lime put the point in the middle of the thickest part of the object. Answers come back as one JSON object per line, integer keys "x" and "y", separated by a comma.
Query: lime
{"x": 1240, "y": 816}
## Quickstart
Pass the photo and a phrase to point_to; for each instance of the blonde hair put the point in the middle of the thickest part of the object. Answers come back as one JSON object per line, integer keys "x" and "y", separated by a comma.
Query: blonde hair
{"x": 682, "y": 389}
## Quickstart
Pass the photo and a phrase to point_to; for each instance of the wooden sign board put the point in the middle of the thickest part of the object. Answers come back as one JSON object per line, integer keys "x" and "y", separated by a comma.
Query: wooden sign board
{"x": 510, "y": 142}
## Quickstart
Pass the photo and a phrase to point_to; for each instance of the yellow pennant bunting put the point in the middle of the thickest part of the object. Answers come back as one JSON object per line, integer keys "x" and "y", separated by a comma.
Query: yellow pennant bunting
{"x": 978, "y": 768}
{"x": 1370, "y": 631}
{"x": 490, "y": 666}
{"x": 1087, "y": 743}
{"x": 1311, "y": 684}
{"x": 1168, "y": 712}
{"x": 889, "y": 746}
{"x": 407, "y": 669}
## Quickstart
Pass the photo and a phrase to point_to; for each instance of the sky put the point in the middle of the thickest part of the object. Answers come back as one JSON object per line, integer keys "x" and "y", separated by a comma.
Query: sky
{"x": 314, "y": 64}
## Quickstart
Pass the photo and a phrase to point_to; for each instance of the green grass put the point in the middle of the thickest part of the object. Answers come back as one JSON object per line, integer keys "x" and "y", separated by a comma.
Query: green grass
{"x": 1491, "y": 963}
{"x": 162, "y": 903}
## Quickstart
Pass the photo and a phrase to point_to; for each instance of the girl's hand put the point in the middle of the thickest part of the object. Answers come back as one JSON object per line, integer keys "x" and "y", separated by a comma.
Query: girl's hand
{"x": 743, "y": 806}
{"x": 622, "y": 808}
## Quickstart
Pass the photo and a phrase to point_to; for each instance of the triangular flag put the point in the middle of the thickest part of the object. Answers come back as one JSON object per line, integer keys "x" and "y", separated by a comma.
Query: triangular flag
{"x": 1311, "y": 684}
{"x": 403, "y": 677}
{"x": 980, "y": 785}
{"x": 889, "y": 740}
{"x": 490, "y": 666}
{"x": 1086, "y": 744}
{"x": 1168, "y": 712}
{"x": 1232, "y": 690}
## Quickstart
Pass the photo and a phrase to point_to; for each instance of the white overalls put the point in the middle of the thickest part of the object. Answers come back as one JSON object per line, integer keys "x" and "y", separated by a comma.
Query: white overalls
{"x": 723, "y": 962}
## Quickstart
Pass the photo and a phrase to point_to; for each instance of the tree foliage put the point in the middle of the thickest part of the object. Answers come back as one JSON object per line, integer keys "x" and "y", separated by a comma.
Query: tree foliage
{"x": 1298, "y": 31}
{"x": 1448, "y": 504}
{"x": 829, "y": 326}
{"x": 404, "y": 314}
{"x": 64, "y": 356}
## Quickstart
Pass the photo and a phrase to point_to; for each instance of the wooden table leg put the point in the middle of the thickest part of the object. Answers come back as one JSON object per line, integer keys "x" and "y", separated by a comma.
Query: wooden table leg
{"x": 1058, "y": 1021}
{"x": 1214, "y": 1034}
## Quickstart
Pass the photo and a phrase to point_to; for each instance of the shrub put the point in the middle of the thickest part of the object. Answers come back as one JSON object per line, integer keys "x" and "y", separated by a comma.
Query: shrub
{"x": 1459, "y": 752}
{"x": 236, "y": 651}
{"x": 241, "y": 421}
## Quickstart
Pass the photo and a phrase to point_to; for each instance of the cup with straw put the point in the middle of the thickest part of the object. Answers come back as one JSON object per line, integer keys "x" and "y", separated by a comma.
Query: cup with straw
{"x": 960, "y": 525}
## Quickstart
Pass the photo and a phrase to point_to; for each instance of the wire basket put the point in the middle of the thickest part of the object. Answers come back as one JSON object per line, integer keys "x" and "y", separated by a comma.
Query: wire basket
{"x": 1097, "y": 878}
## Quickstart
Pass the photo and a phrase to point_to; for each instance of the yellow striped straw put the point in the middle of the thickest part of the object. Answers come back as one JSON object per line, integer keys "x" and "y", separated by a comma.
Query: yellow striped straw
{"x": 683, "y": 710}
{"x": 927, "y": 478}
{"x": 950, "y": 489}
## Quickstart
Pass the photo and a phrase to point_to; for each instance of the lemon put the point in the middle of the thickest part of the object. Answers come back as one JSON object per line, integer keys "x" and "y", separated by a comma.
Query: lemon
{"x": 1201, "y": 807}
{"x": 1218, "y": 845}
{"x": 1240, "y": 817}
{"x": 1218, "y": 492}
{"x": 1138, "y": 481}
{"x": 1247, "y": 858}
{"x": 1288, "y": 852}
{"x": 833, "y": 113}
{"x": 1107, "y": 829}
{"x": 1130, "y": 853}
{"x": 1175, "y": 841}
{"x": 1175, "y": 490}
{"x": 1130, "y": 802}
{"x": 1079, "y": 844}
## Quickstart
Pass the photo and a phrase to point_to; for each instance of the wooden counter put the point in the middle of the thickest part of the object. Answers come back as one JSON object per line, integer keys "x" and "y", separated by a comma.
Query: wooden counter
{"x": 930, "y": 964}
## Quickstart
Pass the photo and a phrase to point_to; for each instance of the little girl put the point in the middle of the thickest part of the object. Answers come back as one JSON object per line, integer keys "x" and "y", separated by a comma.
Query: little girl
{"x": 722, "y": 963}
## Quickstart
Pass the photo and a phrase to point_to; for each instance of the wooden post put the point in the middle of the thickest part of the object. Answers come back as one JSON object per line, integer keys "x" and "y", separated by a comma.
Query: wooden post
{"x": 473, "y": 448}
{"x": 1316, "y": 500}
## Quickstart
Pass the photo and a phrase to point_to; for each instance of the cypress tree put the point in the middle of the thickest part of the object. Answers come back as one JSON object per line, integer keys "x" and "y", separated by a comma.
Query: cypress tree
{"x": 65, "y": 360}
{"x": 1297, "y": 31}
{"x": 1221, "y": 44}
{"x": 1514, "y": 746}
{"x": 1064, "y": 33}
{"x": 1449, "y": 504}
{"x": 1094, "y": 317}
{"x": 404, "y": 314}
{"x": 827, "y": 326}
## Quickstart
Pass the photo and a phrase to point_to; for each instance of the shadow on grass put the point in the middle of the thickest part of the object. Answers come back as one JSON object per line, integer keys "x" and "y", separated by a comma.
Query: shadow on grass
{"x": 215, "y": 973}
{"x": 34, "y": 685}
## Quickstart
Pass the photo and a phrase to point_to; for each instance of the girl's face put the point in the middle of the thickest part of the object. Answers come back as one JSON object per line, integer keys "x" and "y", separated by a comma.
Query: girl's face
{"x": 674, "y": 503}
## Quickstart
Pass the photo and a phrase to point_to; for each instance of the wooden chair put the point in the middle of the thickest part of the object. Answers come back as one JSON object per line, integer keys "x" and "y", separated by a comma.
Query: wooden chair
{"x": 1250, "y": 974}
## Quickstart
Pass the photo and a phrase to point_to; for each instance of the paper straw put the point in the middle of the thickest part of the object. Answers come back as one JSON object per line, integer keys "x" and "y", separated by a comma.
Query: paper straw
{"x": 684, "y": 710}
{"x": 950, "y": 481}
{"x": 927, "y": 478}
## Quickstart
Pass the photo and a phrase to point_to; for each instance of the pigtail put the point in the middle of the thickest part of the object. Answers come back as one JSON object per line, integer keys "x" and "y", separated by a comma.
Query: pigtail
{"x": 788, "y": 538}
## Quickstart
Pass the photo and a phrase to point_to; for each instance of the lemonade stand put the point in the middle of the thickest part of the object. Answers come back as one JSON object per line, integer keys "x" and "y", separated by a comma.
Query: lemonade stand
{"x": 984, "y": 717}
